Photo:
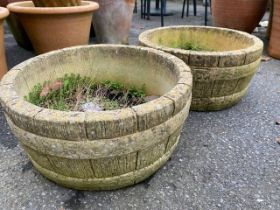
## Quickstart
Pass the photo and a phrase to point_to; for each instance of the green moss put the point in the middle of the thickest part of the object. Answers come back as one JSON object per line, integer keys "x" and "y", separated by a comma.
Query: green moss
{"x": 190, "y": 46}
{"x": 69, "y": 92}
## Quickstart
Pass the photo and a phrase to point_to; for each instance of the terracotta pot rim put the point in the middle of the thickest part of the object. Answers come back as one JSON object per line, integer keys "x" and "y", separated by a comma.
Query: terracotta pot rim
{"x": 257, "y": 43}
{"x": 8, "y": 92}
{"x": 3, "y": 12}
{"x": 27, "y": 7}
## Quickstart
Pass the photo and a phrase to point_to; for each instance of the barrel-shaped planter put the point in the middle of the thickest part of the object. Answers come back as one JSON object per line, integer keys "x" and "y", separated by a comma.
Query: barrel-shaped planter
{"x": 222, "y": 71}
{"x": 108, "y": 149}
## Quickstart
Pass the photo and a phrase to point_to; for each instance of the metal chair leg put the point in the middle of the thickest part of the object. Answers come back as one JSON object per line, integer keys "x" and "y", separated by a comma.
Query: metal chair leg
{"x": 206, "y": 11}
{"x": 157, "y": 4}
{"x": 194, "y": 7}
{"x": 161, "y": 12}
{"x": 183, "y": 10}
{"x": 188, "y": 7}
{"x": 141, "y": 8}
{"x": 135, "y": 7}
{"x": 148, "y": 9}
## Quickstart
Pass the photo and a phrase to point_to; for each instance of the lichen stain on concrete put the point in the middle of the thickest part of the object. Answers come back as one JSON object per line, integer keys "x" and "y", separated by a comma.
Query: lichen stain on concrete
{"x": 26, "y": 167}
{"x": 75, "y": 202}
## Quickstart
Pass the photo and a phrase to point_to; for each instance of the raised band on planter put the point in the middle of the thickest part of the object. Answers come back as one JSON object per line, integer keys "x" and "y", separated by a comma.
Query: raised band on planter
{"x": 108, "y": 149}
{"x": 222, "y": 73}
{"x": 51, "y": 28}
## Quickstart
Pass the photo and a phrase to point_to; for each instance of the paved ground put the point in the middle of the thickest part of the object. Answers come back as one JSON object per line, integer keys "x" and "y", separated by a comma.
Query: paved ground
{"x": 225, "y": 160}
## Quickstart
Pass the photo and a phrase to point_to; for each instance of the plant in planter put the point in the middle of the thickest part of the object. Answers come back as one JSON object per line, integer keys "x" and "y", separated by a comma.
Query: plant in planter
{"x": 3, "y": 65}
{"x": 16, "y": 27}
{"x": 76, "y": 93}
{"x": 52, "y": 25}
{"x": 99, "y": 149}
{"x": 222, "y": 68}
{"x": 113, "y": 20}
{"x": 243, "y": 15}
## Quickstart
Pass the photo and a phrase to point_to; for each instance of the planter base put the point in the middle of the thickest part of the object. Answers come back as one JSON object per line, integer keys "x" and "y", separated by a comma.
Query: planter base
{"x": 165, "y": 148}
{"x": 215, "y": 104}
{"x": 111, "y": 183}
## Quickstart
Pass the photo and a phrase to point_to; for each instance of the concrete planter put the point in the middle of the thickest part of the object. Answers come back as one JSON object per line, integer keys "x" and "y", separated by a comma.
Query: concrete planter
{"x": 3, "y": 65}
{"x": 108, "y": 149}
{"x": 221, "y": 76}
{"x": 51, "y": 28}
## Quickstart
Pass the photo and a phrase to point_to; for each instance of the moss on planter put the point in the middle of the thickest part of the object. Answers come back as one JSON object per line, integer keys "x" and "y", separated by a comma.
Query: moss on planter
{"x": 221, "y": 74}
{"x": 108, "y": 149}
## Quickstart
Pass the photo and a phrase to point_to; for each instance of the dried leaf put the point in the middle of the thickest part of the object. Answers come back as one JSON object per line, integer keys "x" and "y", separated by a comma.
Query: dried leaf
{"x": 265, "y": 58}
{"x": 78, "y": 96}
{"x": 278, "y": 140}
{"x": 45, "y": 91}
{"x": 56, "y": 85}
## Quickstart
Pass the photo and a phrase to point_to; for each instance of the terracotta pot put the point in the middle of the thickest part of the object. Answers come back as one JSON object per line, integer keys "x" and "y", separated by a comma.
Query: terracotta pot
{"x": 16, "y": 27}
{"x": 56, "y": 3}
{"x": 108, "y": 149}
{"x": 52, "y": 28}
{"x": 274, "y": 41}
{"x": 243, "y": 15}
{"x": 113, "y": 20}
{"x": 3, "y": 65}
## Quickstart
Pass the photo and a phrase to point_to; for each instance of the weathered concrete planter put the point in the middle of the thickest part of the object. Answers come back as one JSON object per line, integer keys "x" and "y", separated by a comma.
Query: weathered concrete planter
{"x": 100, "y": 150}
{"x": 221, "y": 76}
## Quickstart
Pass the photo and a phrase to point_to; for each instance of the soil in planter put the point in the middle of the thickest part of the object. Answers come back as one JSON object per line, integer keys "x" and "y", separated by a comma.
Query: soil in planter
{"x": 76, "y": 93}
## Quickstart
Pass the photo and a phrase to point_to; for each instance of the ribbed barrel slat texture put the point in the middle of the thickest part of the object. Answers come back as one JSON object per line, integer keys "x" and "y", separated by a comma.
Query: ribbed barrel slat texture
{"x": 222, "y": 74}
{"x": 101, "y": 150}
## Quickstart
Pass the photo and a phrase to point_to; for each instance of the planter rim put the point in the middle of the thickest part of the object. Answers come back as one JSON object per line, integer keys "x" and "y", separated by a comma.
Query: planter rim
{"x": 3, "y": 12}
{"x": 27, "y": 7}
{"x": 8, "y": 93}
{"x": 257, "y": 43}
